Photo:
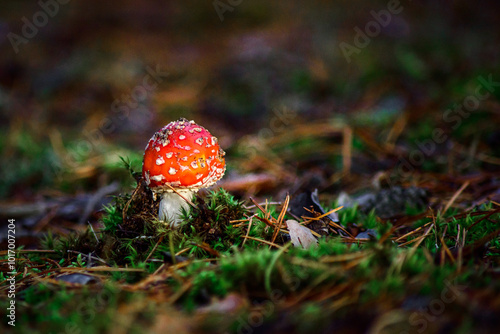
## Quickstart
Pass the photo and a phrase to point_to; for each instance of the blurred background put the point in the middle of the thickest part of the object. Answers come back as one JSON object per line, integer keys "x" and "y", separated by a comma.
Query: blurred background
{"x": 302, "y": 95}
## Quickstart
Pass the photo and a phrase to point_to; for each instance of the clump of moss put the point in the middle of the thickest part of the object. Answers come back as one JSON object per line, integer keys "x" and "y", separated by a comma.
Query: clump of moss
{"x": 210, "y": 220}
{"x": 128, "y": 229}
{"x": 131, "y": 233}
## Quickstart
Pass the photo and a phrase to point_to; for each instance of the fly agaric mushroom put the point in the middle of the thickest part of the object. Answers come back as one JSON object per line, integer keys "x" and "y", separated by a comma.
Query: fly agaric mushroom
{"x": 182, "y": 156}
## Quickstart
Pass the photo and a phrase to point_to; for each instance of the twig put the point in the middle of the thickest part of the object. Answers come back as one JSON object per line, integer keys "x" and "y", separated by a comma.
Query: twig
{"x": 280, "y": 218}
{"x": 22, "y": 251}
{"x": 322, "y": 216}
{"x": 412, "y": 232}
{"x": 125, "y": 208}
{"x": 238, "y": 221}
{"x": 346, "y": 150}
{"x": 159, "y": 269}
{"x": 414, "y": 248}
{"x": 110, "y": 269}
{"x": 447, "y": 250}
{"x": 248, "y": 231}
{"x": 51, "y": 261}
{"x": 95, "y": 198}
{"x": 46, "y": 219}
{"x": 412, "y": 241}
{"x": 354, "y": 240}
{"x": 207, "y": 248}
{"x": 182, "y": 251}
{"x": 93, "y": 232}
{"x": 25, "y": 210}
{"x": 265, "y": 221}
{"x": 454, "y": 197}
{"x": 184, "y": 198}
{"x": 257, "y": 204}
{"x": 263, "y": 241}
{"x": 341, "y": 228}
{"x": 154, "y": 248}
{"x": 345, "y": 257}
{"x": 396, "y": 131}
{"x": 485, "y": 217}
{"x": 179, "y": 293}
{"x": 90, "y": 257}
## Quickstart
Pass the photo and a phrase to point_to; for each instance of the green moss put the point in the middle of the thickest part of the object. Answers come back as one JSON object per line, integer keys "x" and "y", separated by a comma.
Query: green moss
{"x": 28, "y": 161}
{"x": 311, "y": 318}
{"x": 131, "y": 233}
{"x": 89, "y": 309}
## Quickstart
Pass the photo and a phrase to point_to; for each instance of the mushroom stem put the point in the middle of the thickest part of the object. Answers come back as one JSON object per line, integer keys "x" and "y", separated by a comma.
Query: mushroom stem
{"x": 171, "y": 205}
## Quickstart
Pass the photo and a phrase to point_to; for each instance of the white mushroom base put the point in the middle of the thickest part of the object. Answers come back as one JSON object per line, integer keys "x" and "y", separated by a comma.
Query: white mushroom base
{"x": 171, "y": 205}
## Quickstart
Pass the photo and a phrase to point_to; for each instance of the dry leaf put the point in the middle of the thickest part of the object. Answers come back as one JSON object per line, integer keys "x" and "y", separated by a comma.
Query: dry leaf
{"x": 300, "y": 235}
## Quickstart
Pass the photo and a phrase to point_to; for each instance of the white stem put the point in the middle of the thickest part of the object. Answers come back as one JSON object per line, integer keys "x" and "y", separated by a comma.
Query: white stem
{"x": 171, "y": 205}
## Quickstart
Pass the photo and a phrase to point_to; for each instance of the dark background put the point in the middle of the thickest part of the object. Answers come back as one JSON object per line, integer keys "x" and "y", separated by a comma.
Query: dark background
{"x": 62, "y": 130}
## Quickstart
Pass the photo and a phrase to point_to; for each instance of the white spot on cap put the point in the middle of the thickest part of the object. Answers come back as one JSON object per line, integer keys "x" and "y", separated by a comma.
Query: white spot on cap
{"x": 194, "y": 165}
{"x": 214, "y": 140}
{"x": 160, "y": 161}
{"x": 198, "y": 176}
{"x": 157, "y": 148}
{"x": 157, "y": 178}
{"x": 199, "y": 141}
{"x": 182, "y": 137}
{"x": 165, "y": 142}
{"x": 197, "y": 129}
{"x": 184, "y": 158}
{"x": 196, "y": 151}
{"x": 169, "y": 155}
{"x": 172, "y": 171}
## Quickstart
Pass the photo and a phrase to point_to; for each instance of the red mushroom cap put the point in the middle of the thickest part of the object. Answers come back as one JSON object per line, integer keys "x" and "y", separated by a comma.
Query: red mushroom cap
{"x": 183, "y": 155}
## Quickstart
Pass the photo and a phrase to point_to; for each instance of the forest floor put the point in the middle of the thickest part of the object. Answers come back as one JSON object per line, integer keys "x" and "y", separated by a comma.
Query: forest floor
{"x": 388, "y": 157}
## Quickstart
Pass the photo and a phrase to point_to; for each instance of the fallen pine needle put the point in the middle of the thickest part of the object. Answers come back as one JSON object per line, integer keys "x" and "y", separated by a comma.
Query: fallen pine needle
{"x": 264, "y": 242}
{"x": 100, "y": 268}
{"x": 324, "y": 215}
{"x": 412, "y": 232}
{"x": 454, "y": 197}
{"x": 154, "y": 248}
{"x": 280, "y": 218}
{"x": 345, "y": 257}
